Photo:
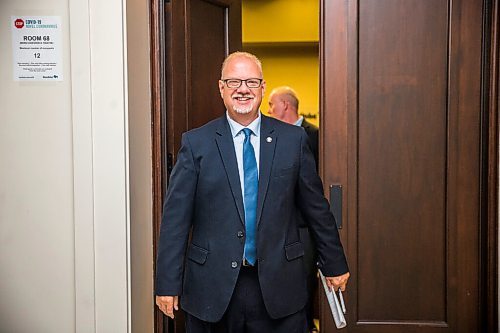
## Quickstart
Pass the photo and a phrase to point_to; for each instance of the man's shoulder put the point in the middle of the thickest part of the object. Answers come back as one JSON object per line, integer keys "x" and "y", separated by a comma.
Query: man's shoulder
{"x": 309, "y": 126}
{"x": 206, "y": 129}
{"x": 283, "y": 127}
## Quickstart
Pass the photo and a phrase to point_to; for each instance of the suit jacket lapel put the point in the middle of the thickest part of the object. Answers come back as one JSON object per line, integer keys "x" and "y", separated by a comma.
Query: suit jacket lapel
{"x": 225, "y": 145}
{"x": 267, "y": 145}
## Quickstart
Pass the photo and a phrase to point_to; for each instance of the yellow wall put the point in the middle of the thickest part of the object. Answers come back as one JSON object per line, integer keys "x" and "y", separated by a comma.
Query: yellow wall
{"x": 284, "y": 35}
{"x": 279, "y": 20}
{"x": 298, "y": 68}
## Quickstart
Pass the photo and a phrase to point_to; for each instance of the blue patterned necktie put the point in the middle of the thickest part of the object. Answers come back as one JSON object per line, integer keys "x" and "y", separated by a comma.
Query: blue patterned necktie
{"x": 250, "y": 196}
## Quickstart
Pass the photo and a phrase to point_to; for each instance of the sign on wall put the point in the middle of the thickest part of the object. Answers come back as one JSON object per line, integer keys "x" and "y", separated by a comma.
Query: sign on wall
{"x": 37, "y": 49}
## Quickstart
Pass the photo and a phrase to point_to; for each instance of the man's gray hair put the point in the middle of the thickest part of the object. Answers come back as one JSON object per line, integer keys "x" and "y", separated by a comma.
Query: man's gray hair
{"x": 288, "y": 94}
{"x": 239, "y": 54}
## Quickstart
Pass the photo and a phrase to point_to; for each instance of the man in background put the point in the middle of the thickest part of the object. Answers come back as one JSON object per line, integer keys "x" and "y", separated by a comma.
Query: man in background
{"x": 284, "y": 106}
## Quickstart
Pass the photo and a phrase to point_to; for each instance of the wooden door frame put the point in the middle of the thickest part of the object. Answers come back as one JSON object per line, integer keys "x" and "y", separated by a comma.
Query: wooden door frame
{"x": 490, "y": 186}
{"x": 490, "y": 141}
{"x": 158, "y": 128}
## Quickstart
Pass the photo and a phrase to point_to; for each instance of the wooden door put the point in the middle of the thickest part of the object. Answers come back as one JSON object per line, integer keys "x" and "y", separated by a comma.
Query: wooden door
{"x": 400, "y": 124}
{"x": 197, "y": 36}
{"x": 200, "y": 34}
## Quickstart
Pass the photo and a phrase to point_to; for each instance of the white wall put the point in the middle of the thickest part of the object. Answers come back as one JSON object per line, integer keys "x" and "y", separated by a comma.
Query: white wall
{"x": 65, "y": 210}
{"x": 37, "y": 279}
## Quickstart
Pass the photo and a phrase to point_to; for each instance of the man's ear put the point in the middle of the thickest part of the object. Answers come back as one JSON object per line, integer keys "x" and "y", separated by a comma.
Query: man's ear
{"x": 221, "y": 87}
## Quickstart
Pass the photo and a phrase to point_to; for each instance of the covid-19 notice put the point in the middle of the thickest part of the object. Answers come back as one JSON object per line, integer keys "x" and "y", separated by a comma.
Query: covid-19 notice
{"x": 36, "y": 45}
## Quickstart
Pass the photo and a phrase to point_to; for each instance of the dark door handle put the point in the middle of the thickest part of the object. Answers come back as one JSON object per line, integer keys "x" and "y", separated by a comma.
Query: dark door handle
{"x": 336, "y": 203}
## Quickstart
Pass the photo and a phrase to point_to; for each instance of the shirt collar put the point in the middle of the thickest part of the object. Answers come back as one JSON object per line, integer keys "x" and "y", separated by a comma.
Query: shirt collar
{"x": 237, "y": 127}
{"x": 299, "y": 121}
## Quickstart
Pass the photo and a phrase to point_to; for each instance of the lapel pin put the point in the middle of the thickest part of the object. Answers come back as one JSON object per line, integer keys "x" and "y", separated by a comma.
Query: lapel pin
{"x": 269, "y": 139}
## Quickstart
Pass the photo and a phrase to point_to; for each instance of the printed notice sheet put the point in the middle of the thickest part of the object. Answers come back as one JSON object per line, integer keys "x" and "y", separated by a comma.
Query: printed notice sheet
{"x": 37, "y": 49}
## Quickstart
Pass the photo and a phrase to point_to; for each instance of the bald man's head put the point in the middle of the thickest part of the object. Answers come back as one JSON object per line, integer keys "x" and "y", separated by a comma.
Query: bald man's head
{"x": 239, "y": 54}
{"x": 284, "y": 104}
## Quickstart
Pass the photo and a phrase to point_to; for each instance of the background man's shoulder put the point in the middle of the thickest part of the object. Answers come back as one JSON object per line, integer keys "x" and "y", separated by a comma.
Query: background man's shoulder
{"x": 285, "y": 128}
{"x": 309, "y": 127}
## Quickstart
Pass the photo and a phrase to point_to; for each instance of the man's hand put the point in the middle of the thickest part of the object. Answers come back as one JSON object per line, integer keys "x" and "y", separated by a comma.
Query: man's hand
{"x": 337, "y": 282}
{"x": 167, "y": 304}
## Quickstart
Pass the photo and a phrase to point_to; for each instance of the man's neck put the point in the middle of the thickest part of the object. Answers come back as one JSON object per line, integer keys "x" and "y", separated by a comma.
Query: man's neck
{"x": 291, "y": 118}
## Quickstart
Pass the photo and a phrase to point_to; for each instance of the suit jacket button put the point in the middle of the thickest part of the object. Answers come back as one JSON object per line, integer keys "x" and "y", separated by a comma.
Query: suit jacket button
{"x": 240, "y": 234}
{"x": 234, "y": 264}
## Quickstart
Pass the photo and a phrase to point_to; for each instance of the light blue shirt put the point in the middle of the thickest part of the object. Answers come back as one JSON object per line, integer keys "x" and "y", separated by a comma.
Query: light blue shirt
{"x": 239, "y": 137}
{"x": 299, "y": 121}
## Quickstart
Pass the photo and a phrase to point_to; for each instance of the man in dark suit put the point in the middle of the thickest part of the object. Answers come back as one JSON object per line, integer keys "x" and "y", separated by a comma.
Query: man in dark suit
{"x": 238, "y": 186}
{"x": 284, "y": 105}
{"x": 312, "y": 132}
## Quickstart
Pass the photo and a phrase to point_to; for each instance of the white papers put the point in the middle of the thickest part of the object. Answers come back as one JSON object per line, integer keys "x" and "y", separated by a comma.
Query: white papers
{"x": 337, "y": 307}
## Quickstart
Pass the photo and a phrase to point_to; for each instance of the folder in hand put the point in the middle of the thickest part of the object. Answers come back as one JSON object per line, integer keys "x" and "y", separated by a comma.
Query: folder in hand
{"x": 336, "y": 304}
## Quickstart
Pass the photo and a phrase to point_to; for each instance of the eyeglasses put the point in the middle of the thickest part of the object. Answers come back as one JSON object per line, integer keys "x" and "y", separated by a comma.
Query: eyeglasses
{"x": 236, "y": 83}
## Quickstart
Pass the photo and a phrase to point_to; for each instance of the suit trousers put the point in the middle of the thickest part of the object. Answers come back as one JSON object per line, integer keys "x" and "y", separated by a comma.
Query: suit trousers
{"x": 247, "y": 313}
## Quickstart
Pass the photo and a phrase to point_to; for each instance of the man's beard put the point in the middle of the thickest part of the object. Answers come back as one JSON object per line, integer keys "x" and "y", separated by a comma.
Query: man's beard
{"x": 243, "y": 110}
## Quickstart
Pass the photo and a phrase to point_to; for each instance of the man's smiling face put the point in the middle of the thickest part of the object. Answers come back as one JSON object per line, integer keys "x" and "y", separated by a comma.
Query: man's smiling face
{"x": 242, "y": 100}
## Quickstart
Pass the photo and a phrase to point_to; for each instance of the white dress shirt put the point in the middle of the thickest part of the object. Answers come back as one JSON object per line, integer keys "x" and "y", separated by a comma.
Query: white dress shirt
{"x": 239, "y": 138}
{"x": 299, "y": 121}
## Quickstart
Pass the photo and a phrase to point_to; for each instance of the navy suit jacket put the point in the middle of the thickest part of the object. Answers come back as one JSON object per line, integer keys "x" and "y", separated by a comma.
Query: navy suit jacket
{"x": 313, "y": 134}
{"x": 204, "y": 198}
